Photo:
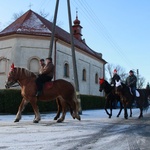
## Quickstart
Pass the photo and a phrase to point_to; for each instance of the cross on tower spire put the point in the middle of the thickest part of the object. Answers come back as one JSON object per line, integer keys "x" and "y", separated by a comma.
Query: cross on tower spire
{"x": 30, "y": 5}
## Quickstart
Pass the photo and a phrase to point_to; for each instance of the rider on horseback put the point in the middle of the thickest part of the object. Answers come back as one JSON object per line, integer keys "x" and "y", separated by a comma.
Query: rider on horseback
{"x": 42, "y": 65}
{"x": 46, "y": 74}
{"x": 131, "y": 82}
{"x": 114, "y": 78}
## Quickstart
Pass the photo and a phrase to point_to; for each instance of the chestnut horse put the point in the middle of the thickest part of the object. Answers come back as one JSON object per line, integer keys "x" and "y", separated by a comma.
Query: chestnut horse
{"x": 61, "y": 90}
{"x": 127, "y": 98}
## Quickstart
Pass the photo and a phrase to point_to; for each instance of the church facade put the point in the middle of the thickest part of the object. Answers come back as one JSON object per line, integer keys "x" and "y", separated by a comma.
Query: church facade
{"x": 27, "y": 40}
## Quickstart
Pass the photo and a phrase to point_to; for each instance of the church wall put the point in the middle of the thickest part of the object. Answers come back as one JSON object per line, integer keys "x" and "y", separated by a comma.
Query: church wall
{"x": 20, "y": 51}
{"x": 92, "y": 66}
{"x": 6, "y": 53}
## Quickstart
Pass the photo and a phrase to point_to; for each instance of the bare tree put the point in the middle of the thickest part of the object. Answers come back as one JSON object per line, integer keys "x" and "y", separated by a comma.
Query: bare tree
{"x": 42, "y": 13}
{"x": 141, "y": 82}
{"x": 123, "y": 75}
{"x": 120, "y": 70}
{"x": 17, "y": 15}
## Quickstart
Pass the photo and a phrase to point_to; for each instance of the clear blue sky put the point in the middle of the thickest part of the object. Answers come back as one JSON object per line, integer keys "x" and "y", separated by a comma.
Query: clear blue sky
{"x": 119, "y": 29}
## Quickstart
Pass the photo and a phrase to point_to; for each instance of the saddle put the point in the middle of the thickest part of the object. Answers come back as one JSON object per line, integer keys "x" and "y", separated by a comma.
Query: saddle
{"x": 48, "y": 85}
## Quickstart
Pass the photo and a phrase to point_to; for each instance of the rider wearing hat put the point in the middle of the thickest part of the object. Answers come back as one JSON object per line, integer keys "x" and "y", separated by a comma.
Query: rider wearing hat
{"x": 46, "y": 74}
{"x": 115, "y": 77}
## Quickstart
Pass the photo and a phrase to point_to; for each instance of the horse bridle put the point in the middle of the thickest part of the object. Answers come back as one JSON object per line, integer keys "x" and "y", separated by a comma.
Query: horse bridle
{"x": 11, "y": 84}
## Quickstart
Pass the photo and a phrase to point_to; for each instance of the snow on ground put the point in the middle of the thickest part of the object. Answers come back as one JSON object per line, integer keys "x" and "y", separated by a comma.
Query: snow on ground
{"x": 69, "y": 135}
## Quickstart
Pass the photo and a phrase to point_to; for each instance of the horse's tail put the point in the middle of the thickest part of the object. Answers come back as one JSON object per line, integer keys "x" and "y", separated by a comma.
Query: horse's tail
{"x": 76, "y": 98}
{"x": 77, "y": 108}
{"x": 78, "y": 102}
{"x": 146, "y": 105}
{"x": 146, "y": 101}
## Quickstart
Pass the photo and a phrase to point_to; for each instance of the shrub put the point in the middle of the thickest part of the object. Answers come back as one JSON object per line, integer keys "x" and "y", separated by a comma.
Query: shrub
{"x": 10, "y": 100}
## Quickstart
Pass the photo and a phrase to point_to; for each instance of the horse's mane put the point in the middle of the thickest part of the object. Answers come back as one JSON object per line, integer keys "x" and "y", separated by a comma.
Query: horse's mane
{"x": 27, "y": 72}
{"x": 107, "y": 83}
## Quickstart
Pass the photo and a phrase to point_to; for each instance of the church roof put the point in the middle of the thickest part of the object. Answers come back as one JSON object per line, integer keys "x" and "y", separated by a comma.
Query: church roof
{"x": 32, "y": 23}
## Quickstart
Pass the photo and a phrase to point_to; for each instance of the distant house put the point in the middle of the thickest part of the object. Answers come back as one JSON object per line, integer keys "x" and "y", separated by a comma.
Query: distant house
{"x": 27, "y": 40}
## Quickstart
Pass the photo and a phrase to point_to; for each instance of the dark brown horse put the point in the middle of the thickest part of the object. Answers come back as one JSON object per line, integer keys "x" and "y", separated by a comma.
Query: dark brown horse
{"x": 127, "y": 98}
{"x": 110, "y": 97}
{"x": 61, "y": 90}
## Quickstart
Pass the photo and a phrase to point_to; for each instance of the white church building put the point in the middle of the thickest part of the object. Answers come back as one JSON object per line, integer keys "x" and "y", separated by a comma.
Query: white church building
{"x": 27, "y": 40}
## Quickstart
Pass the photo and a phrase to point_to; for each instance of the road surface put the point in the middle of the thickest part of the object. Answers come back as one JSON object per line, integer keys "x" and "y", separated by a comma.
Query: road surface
{"x": 94, "y": 132}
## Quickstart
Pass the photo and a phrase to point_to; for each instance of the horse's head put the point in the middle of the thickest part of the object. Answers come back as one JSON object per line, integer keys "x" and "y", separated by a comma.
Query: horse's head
{"x": 102, "y": 84}
{"x": 118, "y": 87}
{"x": 12, "y": 77}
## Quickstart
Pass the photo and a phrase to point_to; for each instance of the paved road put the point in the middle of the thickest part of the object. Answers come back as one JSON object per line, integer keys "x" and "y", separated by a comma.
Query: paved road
{"x": 94, "y": 132}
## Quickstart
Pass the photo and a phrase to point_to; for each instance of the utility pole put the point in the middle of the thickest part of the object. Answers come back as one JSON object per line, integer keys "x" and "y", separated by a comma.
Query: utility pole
{"x": 74, "y": 57}
{"x": 72, "y": 48}
{"x": 53, "y": 29}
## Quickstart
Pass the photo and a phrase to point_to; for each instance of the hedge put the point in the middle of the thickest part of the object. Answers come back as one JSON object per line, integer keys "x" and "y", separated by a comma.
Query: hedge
{"x": 10, "y": 100}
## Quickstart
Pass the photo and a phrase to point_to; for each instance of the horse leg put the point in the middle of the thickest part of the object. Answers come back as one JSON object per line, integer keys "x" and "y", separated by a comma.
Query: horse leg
{"x": 59, "y": 108}
{"x": 71, "y": 112}
{"x": 130, "y": 111}
{"x": 121, "y": 107}
{"x": 110, "y": 110}
{"x": 20, "y": 110}
{"x": 125, "y": 112}
{"x": 63, "y": 105}
{"x": 74, "y": 107}
{"x": 36, "y": 110}
{"x": 141, "y": 113}
{"x": 106, "y": 104}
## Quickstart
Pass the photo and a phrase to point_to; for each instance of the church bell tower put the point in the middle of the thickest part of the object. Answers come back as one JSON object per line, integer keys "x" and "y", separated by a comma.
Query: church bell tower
{"x": 77, "y": 28}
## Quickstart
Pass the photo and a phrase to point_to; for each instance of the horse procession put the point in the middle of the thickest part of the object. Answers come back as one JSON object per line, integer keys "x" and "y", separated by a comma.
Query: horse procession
{"x": 65, "y": 95}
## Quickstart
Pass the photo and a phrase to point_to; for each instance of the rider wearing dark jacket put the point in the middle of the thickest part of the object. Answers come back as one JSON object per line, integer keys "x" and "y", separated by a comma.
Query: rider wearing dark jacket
{"x": 131, "y": 82}
{"x": 46, "y": 74}
{"x": 114, "y": 78}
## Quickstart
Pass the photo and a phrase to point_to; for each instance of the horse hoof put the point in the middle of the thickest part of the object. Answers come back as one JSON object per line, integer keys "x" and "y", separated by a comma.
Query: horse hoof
{"x": 55, "y": 118}
{"x": 109, "y": 116}
{"x": 117, "y": 116}
{"x": 79, "y": 118}
{"x": 59, "y": 121}
{"x": 140, "y": 117}
{"x": 35, "y": 121}
{"x": 16, "y": 120}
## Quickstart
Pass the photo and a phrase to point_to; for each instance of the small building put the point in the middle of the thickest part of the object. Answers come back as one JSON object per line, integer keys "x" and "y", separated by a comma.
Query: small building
{"x": 27, "y": 40}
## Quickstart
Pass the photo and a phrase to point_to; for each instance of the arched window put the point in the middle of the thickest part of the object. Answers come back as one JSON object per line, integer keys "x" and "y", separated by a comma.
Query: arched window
{"x": 66, "y": 70}
{"x": 96, "y": 78}
{"x": 3, "y": 62}
{"x": 84, "y": 75}
{"x": 34, "y": 65}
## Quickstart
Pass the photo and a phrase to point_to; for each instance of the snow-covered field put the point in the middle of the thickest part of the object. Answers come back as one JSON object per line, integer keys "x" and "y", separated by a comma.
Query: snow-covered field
{"x": 95, "y": 131}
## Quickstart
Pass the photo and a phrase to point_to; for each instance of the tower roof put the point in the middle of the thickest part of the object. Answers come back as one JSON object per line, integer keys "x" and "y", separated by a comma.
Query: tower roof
{"x": 32, "y": 23}
{"x": 76, "y": 21}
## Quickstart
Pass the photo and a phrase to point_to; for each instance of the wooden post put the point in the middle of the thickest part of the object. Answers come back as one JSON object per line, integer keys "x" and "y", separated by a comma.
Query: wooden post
{"x": 53, "y": 29}
{"x": 74, "y": 57}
